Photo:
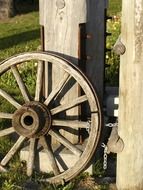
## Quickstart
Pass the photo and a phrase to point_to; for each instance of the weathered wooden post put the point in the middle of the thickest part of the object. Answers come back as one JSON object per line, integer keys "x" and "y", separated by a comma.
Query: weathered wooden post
{"x": 130, "y": 161}
{"x": 75, "y": 30}
{"x": 60, "y": 20}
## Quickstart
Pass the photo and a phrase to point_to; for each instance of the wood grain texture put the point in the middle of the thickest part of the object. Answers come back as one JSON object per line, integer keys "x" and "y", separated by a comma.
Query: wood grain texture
{"x": 21, "y": 84}
{"x": 51, "y": 156}
{"x": 58, "y": 87}
{"x": 130, "y": 162}
{"x": 5, "y": 132}
{"x": 65, "y": 142}
{"x": 61, "y": 21}
{"x": 31, "y": 157}
{"x": 39, "y": 81}
{"x": 74, "y": 123}
{"x": 6, "y": 115}
{"x": 69, "y": 105}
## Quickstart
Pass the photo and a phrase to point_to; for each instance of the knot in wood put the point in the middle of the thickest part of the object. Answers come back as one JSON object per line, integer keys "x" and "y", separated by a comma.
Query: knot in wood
{"x": 60, "y": 4}
{"x": 61, "y": 15}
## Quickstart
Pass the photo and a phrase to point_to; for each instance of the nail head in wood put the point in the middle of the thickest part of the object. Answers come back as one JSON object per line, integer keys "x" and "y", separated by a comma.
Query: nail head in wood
{"x": 88, "y": 57}
{"x": 89, "y": 36}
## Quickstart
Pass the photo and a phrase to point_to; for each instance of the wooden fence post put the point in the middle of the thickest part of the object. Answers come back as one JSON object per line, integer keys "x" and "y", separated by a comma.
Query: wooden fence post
{"x": 130, "y": 161}
{"x": 60, "y": 20}
{"x": 75, "y": 30}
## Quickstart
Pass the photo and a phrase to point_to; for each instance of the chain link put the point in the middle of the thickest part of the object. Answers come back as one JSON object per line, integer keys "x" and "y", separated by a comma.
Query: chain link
{"x": 112, "y": 125}
{"x": 105, "y": 156}
{"x": 88, "y": 128}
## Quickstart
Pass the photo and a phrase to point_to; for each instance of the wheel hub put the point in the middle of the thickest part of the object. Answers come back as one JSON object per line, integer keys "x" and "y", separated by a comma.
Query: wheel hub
{"x": 33, "y": 119}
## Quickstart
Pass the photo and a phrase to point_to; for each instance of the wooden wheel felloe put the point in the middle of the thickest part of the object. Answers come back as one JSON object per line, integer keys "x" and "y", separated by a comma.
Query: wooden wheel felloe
{"x": 39, "y": 117}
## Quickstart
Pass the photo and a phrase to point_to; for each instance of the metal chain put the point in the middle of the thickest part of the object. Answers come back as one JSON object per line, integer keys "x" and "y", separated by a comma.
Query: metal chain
{"x": 88, "y": 128}
{"x": 105, "y": 156}
{"x": 112, "y": 124}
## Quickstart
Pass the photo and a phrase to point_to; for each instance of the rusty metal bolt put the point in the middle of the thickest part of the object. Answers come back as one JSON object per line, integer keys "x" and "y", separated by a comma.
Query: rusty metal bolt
{"x": 88, "y": 57}
{"x": 89, "y": 36}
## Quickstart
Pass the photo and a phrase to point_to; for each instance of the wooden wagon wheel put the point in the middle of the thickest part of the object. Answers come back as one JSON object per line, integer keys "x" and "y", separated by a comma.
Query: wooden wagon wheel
{"x": 38, "y": 117}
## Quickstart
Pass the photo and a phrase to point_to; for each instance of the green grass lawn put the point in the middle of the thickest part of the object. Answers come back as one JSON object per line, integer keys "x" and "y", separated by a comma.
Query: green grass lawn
{"x": 19, "y": 34}
{"x": 114, "y": 7}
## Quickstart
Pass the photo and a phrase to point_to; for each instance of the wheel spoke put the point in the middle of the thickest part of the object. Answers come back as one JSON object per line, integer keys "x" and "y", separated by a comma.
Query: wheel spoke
{"x": 65, "y": 142}
{"x": 30, "y": 163}
{"x": 6, "y": 115}
{"x": 9, "y": 99}
{"x": 39, "y": 81}
{"x": 21, "y": 84}
{"x": 2, "y": 169}
{"x": 8, "y": 131}
{"x": 57, "y": 88}
{"x": 46, "y": 79}
{"x": 50, "y": 155}
{"x": 67, "y": 106}
{"x": 13, "y": 150}
{"x": 71, "y": 123}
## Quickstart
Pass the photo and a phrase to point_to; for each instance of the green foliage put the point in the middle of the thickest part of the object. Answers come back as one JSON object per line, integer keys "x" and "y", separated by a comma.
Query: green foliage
{"x": 19, "y": 34}
{"x": 28, "y": 74}
{"x": 98, "y": 170}
{"x": 7, "y": 79}
{"x": 27, "y": 71}
{"x": 114, "y": 7}
{"x": 112, "y": 60}
{"x": 13, "y": 179}
{"x": 113, "y": 27}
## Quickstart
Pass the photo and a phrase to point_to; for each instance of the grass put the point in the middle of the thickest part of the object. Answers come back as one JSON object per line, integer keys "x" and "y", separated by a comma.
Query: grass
{"x": 114, "y": 7}
{"x": 21, "y": 34}
{"x": 113, "y": 27}
{"x": 17, "y": 35}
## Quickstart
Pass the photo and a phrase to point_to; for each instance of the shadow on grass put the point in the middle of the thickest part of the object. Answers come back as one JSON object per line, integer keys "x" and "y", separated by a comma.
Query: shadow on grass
{"x": 16, "y": 39}
{"x": 25, "y": 6}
